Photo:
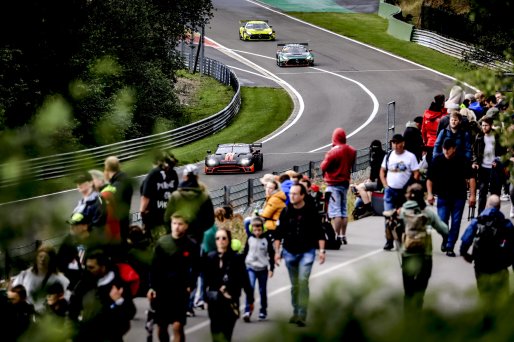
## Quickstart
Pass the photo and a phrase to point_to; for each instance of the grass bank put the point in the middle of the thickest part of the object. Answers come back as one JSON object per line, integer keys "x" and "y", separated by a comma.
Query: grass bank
{"x": 372, "y": 29}
{"x": 262, "y": 111}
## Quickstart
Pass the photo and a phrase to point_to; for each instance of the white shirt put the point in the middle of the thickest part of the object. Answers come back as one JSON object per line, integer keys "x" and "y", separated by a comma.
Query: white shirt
{"x": 399, "y": 168}
{"x": 487, "y": 161}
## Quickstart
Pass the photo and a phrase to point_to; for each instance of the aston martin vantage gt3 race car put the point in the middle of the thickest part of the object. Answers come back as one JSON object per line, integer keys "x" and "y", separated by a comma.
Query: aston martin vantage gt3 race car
{"x": 294, "y": 54}
{"x": 255, "y": 30}
{"x": 234, "y": 158}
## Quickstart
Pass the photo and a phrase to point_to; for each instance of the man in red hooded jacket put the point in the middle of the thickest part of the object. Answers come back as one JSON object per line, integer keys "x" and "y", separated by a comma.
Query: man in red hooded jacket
{"x": 337, "y": 167}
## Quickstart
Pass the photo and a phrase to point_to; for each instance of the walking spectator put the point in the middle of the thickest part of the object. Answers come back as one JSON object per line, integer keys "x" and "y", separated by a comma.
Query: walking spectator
{"x": 260, "y": 263}
{"x": 90, "y": 205}
{"x": 478, "y": 106}
{"x": 492, "y": 237}
{"x": 458, "y": 134}
{"x": 42, "y": 274}
{"x": 102, "y": 300}
{"x": 455, "y": 98}
{"x": 56, "y": 304}
{"x": 417, "y": 263}
{"x": 363, "y": 206}
{"x": 285, "y": 184}
{"x": 73, "y": 248}
{"x": 413, "y": 137}
{"x": 108, "y": 197}
{"x": 192, "y": 200}
{"x": 123, "y": 195}
{"x": 431, "y": 118}
{"x": 337, "y": 167}
{"x": 300, "y": 233}
{"x": 225, "y": 276}
{"x": 487, "y": 151}
{"x": 273, "y": 206}
{"x": 156, "y": 191}
{"x": 139, "y": 256}
{"x": 19, "y": 314}
{"x": 448, "y": 177}
{"x": 172, "y": 277}
{"x": 399, "y": 168}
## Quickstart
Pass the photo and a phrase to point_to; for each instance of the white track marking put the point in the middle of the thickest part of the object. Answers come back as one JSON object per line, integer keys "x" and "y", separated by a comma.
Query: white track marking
{"x": 287, "y": 287}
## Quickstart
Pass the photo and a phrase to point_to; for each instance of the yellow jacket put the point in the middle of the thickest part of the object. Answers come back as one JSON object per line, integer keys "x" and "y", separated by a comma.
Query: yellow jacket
{"x": 272, "y": 209}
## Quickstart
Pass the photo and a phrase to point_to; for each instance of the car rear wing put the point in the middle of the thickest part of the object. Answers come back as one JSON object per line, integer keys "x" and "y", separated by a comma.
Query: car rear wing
{"x": 257, "y": 145}
{"x": 284, "y": 44}
{"x": 247, "y": 20}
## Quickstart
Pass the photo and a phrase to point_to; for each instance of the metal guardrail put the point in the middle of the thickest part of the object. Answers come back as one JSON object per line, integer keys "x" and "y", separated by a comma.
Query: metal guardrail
{"x": 63, "y": 164}
{"x": 241, "y": 196}
{"x": 453, "y": 48}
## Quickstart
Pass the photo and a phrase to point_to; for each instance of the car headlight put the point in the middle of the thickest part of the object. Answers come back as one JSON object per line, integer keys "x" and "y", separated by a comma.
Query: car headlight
{"x": 211, "y": 162}
{"x": 245, "y": 161}
{"x": 310, "y": 57}
{"x": 247, "y": 32}
{"x": 285, "y": 58}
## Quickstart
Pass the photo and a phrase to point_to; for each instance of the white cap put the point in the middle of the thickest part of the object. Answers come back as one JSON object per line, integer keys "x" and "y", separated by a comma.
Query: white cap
{"x": 190, "y": 169}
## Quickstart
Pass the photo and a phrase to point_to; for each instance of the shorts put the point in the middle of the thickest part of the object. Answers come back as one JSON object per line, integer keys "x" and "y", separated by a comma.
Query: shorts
{"x": 169, "y": 310}
{"x": 337, "y": 202}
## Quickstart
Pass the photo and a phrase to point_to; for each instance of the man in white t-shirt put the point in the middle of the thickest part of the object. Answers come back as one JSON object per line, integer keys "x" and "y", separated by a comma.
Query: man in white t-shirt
{"x": 396, "y": 171}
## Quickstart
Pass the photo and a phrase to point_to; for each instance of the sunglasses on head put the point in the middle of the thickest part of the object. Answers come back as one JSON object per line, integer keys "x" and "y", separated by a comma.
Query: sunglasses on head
{"x": 221, "y": 238}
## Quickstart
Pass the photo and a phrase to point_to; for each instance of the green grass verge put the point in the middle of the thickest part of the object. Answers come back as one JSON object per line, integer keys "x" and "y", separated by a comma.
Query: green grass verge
{"x": 372, "y": 29}
{"x": 205, "y": 95}
{"x": 262, "y": 111}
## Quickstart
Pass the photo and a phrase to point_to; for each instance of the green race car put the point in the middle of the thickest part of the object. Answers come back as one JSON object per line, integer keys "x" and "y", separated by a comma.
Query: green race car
{"x": 294, "y": 54}
{"x": 255, "y": 30}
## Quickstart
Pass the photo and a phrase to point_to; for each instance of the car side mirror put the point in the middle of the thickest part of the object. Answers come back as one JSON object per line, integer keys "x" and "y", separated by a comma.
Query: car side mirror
{"x": 208, "y": 151}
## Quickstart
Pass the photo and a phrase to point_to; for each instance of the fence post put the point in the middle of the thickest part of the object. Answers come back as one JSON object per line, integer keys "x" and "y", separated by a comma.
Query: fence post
{"x": 250, "y": 191}
{"x": 391, "y": 119}
{"x": 311, "y": 169}
{"x": 226, "y": 195}
{"x": 296, "y": 168}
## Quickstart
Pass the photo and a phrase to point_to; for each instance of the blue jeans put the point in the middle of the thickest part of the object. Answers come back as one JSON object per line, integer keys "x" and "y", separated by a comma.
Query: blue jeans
{"x": 262, "y": 278}
{"x": 453, "y": 208}
{"x": 299, "y": 267}
{"x": 393, "y": 198}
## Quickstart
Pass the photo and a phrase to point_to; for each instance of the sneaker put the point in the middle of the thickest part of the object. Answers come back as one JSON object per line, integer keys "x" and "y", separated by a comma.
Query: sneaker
{"x": 262, "y": 316}
{"x": 300, "y": 323}
{"x": 443, "y": 247}
{"x": 367, "y": 213}
{"x": 294, "y": 319}
{"x": 200, "y": 305}
{"x": 451, "y": 253}
{"x": 389, "y": 245}
{"x": 246, "y": 317}
{"x": 190, "y": 313}
{"x": 344, "y": 241}
{"x": 512, "y": 211}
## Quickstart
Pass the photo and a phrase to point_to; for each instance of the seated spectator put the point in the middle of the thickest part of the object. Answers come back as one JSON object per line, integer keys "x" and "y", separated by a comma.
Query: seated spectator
{"x": 363, "y": 207}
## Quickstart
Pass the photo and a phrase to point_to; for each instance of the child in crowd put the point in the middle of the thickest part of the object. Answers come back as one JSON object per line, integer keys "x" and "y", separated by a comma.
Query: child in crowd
{"x": 259, "y": 261}
{"x": 56, "y": 304}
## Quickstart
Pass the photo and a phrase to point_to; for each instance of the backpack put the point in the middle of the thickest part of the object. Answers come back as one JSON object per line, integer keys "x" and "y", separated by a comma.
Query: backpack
{"x": 330, "y": 236}
{"x": 416, "y": 236}
{"x": 129, "y": 276}
{"x": 492, "y": 245}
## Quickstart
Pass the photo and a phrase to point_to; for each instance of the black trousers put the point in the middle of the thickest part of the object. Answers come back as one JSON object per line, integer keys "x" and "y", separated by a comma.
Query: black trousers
{"x": 416, "y": 271}
{"x": 223, "y": 320}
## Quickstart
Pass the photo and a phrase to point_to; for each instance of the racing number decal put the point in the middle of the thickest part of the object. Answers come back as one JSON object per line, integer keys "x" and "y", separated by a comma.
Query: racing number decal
{"x": 229, "y": 156}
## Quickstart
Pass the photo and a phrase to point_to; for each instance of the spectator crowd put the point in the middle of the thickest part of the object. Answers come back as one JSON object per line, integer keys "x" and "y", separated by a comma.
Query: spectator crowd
{"x": 185, "y": 255}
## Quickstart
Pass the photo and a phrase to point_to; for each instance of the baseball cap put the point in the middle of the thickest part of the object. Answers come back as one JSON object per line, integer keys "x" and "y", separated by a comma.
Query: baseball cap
{"x": 77, "y": 218}
{"x": 397, "y": 138}
{"x": 190, "y": 169}
{"x": 267, "y": 178}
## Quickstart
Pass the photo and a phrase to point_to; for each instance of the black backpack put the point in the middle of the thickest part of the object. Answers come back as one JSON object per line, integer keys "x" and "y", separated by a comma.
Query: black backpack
{"x": 492, "y": 245}
{"x": 331, "y": 241}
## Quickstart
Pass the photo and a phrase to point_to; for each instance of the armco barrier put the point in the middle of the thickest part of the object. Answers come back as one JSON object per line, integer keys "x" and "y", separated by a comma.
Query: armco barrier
{"x": 453, "y": 48}
{"x": 241, "y": 196}
{"x": 63, "y": 164}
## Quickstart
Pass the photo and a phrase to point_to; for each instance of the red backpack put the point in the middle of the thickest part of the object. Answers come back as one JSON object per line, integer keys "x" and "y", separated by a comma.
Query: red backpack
{"x": 130, "y": 276}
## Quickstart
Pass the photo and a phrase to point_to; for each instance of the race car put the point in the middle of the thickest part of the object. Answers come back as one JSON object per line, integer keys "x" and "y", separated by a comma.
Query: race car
{"x": 294, "y": 54}
{"x": 255, "y": 30}
{"x": 234, "y": 158}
